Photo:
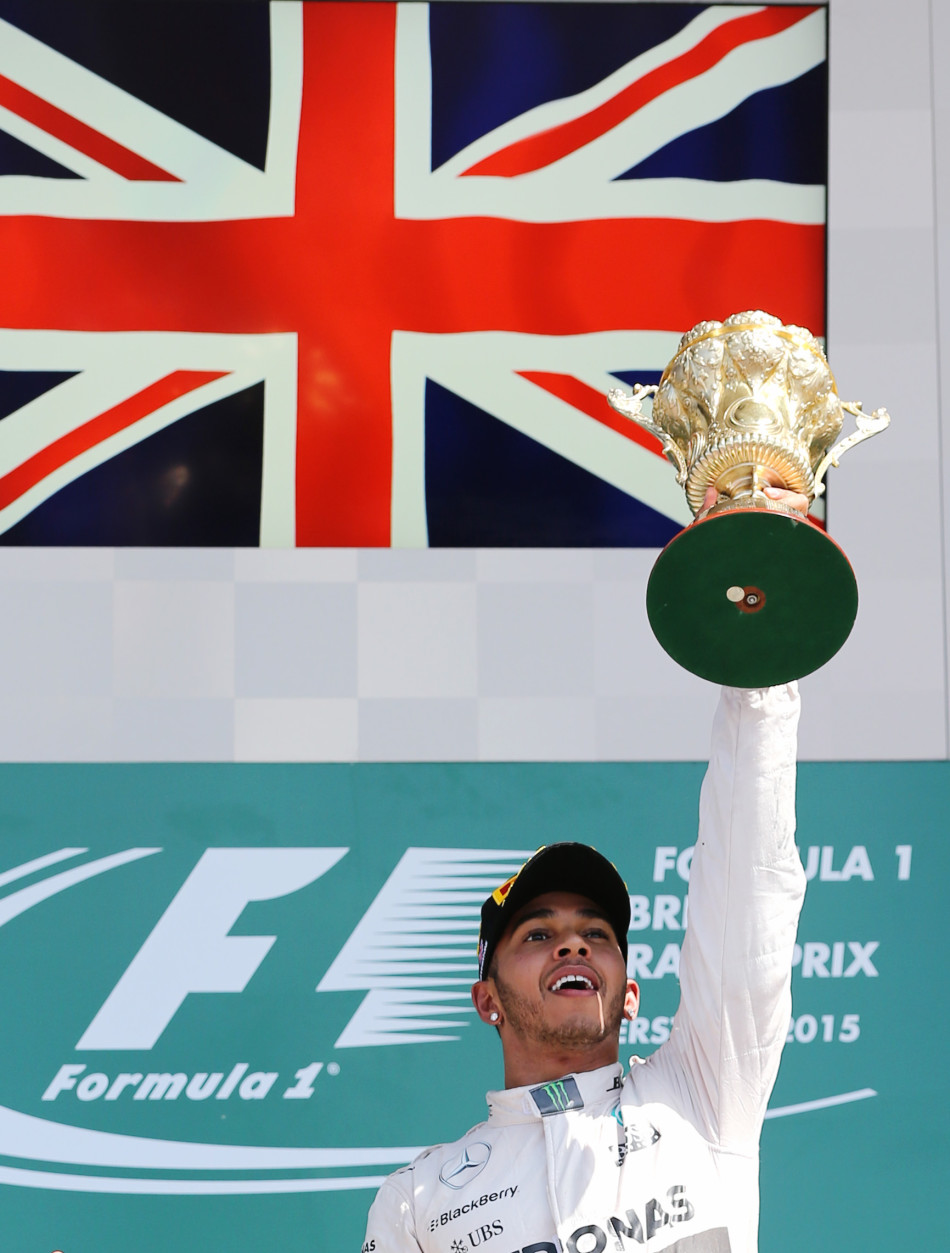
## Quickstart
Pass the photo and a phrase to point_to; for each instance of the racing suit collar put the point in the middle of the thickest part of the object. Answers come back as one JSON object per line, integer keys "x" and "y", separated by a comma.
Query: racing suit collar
{"x": 591, "y": 1090}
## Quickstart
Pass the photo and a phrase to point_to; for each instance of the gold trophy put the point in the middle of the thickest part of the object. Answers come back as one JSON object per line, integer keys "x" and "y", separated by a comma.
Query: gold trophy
{"x": 751, "y": 593}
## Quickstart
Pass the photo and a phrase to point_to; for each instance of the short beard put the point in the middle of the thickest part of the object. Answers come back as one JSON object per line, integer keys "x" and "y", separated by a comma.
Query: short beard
{"x": 526, "y": 1019}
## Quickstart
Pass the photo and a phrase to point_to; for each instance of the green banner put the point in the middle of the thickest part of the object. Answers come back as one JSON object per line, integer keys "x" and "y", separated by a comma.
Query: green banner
{"x": 236, "y": 997}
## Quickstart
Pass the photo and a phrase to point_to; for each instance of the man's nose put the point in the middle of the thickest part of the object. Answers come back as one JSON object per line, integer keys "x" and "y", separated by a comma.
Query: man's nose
{"x": 572, "y": 944}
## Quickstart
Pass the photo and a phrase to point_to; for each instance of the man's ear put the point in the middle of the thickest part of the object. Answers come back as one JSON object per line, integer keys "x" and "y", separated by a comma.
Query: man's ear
{"x": 631, "y": 1002}
{"x": 486, "y": 1002}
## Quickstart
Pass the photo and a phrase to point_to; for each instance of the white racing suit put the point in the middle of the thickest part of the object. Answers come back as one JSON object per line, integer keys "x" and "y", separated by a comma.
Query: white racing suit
{"x": 666, "y": 1158}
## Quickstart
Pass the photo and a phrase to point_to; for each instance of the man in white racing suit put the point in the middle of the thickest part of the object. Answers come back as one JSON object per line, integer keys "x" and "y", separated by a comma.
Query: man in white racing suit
{"x": 574, "y": 1157}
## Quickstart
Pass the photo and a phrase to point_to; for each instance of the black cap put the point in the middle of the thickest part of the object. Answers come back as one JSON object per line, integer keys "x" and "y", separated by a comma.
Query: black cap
{"x": 566, "y": 867}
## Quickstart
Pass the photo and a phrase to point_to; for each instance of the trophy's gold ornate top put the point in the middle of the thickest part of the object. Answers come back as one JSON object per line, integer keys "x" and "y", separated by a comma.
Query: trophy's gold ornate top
{"x": 745, "y": 404}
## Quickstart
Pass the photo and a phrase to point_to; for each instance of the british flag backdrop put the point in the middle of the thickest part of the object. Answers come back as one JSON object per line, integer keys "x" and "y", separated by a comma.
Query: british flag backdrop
{"x": 359, "y": 274}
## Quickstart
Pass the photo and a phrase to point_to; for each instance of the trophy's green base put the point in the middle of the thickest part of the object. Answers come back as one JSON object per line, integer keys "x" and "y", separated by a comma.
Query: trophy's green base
{"x": 752, "y": 598}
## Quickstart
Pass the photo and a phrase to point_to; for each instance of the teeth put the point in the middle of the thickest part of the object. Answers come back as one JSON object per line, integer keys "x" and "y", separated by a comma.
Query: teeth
{"x": 581, "y": 979}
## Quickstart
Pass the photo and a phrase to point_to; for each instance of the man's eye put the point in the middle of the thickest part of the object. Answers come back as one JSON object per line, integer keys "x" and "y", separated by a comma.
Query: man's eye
{"x": 597, "y": 933}
{"x": 537, "y": 934}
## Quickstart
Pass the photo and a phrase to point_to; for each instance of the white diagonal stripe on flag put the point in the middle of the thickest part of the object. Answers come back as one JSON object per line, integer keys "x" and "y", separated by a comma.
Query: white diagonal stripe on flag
{"x": 482, "y": 366}
{"x": 113, "y": 366}
{"x": 215, "y": 185}
{"x": 580, "y": 186}
{"x": 554, "y": 113}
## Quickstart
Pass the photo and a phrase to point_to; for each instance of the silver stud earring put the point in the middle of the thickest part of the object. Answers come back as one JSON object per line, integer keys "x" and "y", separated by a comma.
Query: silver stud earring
{"x": 493, "y": 1017}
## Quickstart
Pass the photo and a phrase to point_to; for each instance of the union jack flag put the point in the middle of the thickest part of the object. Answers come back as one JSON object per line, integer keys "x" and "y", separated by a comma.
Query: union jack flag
{"x": 361, "y": 273}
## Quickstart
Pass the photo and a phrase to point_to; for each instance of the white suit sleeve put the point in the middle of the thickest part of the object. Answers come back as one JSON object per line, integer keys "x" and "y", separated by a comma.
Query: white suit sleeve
{"x": 390, "y": 1227}
{"x": 745, "y": 894}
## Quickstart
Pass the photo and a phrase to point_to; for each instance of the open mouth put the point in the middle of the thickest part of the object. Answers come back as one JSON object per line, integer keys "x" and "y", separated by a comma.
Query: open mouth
{"x": 574, "y": 981}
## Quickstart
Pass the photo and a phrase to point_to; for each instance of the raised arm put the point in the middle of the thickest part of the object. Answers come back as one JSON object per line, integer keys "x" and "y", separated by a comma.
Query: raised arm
{"x": 745, "y": 895}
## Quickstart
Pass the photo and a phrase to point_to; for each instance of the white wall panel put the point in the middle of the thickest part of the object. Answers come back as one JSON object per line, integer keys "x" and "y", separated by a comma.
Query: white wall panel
{"x": 940, "y": 52}
{"x": 885, "y": 694}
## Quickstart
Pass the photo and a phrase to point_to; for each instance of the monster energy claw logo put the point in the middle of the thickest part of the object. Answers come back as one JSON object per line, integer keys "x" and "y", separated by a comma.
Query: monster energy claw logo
{"x": 558, "y": 1094}
{"x": 557, "y": 1097}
